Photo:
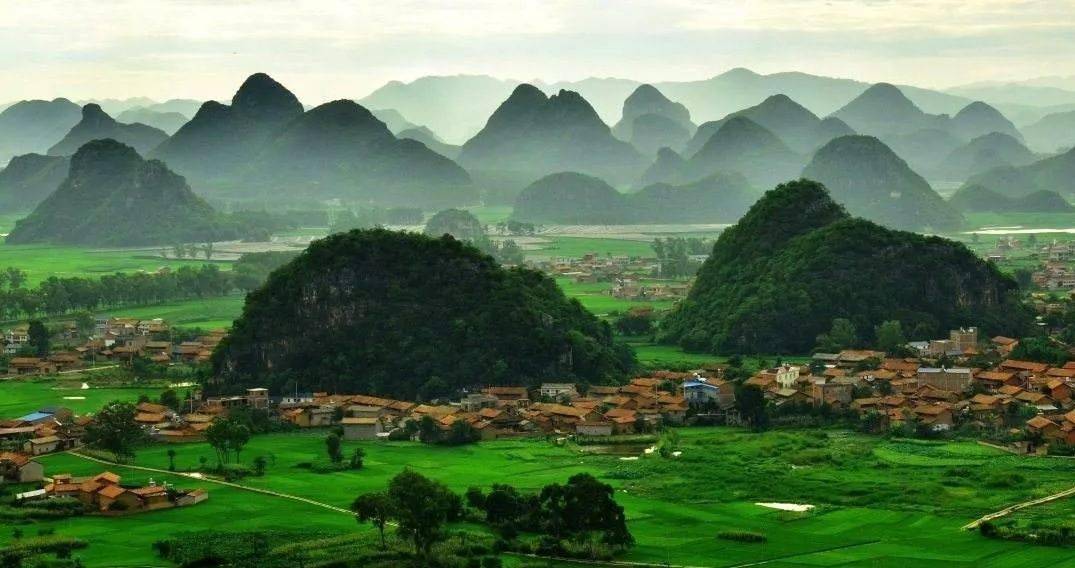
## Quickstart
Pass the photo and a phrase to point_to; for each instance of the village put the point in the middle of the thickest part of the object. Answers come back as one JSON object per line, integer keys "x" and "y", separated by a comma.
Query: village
{"x": 1025, "y": 405}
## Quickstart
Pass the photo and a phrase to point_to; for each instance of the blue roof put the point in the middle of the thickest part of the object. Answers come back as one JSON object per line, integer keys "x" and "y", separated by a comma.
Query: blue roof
{"x": 34, "y": 416}
{"x": 691, "y": 384}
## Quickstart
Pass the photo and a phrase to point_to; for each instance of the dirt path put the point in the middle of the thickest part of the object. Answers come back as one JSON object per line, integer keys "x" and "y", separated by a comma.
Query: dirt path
{"x": 218, "y": 482}
{"x": 1008, "y": 510}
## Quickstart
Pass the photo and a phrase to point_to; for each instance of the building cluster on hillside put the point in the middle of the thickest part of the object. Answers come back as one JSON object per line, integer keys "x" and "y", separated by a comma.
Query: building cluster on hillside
{"x": 114, "y": 340}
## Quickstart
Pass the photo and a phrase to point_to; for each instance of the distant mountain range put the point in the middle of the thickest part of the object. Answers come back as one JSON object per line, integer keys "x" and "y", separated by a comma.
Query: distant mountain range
{"x": 30, "y": 178}
{"x": 576, "y": 199}
{"x": 456, "y": 106}
{"x": 34, "y": 126}
{"x": 97, "y": 125}
{"x": 872, "y": 182}
{"x": 531, "y": 135}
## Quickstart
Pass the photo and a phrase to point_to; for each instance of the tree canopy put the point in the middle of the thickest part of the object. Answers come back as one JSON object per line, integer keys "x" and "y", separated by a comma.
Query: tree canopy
{"x": 409, "y": 310}
{"x": 797, "y": 261}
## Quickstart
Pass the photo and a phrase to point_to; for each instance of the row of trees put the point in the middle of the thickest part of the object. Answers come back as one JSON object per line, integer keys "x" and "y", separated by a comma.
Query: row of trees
{"x": 371, "y": 217}
{"x": 56, "y": 296}
{"x": 673, "y": 254}
{"x": 582, "y": 511}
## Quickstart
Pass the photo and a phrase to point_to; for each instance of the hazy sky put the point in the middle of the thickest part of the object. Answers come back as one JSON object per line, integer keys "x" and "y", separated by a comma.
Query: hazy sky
{"x": 338, "y": 48}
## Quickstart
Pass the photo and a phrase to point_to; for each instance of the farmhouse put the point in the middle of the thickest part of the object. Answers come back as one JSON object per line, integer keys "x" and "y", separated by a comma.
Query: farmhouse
{"x": 19, "y": 468}
{"x": 953, "y": 380}
{"x": 361, "y": 428}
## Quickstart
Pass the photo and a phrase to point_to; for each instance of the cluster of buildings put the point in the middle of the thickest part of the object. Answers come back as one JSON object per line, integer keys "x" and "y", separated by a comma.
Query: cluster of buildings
{"x": 498, "y": 412}
{"x": 628, "y": 288}
{"x": 592, "y": 267}
{"x": 918, "y": 390}
{"x": 43, "y": 431}
{"x": 105, "y": 493}
{"x": 117, "y": 340}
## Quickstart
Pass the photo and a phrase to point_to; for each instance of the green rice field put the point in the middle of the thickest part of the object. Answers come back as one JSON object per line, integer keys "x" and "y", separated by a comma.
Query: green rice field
{"x": 594, "y": 297}
{"x": 207, "y": 313}
{"x": 877, "y": 502}
{"x": 19, "y": 397}
{"x": 576, "y": 247}
{"x": 42, "y": 261}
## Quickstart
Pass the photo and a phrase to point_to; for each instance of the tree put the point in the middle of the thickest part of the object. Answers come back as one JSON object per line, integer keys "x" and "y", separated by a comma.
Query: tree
{"x": 84, "y": 323}
{"x": 634, "y": 323}
{"x": 227, "y": 435}
{"x": 428, "y": 431}
{"x": 114, "y": 429}
{"x": 332, "y": 445}
{"x": 421, "y": 507}
{"x": 39, "y": 338}
{"x": 461, "y": 432}
{"x": 751, "y": 404}
{"x": 15, "y": 278}
{"x": 375, "y": 508}
{"x": 259, "y": 465}
{"x": 358, "y": 458}
{"x": 582, "y": 506}
{"x": 890, "y": 336}
{"x": 843, "y": 335}
{"x": 171, "y": 459}
{"x": 170, "y": 399}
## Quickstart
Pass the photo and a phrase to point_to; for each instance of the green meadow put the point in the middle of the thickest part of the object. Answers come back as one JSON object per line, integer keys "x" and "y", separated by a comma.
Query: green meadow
{"x": 594, "y": 297}
{"x": 877, "y": 502}
{"x": 42, "y": 261}
{"x": 576, "y": 247}
{"x": 23, "y": 396}
{"x": 207, "y": 313}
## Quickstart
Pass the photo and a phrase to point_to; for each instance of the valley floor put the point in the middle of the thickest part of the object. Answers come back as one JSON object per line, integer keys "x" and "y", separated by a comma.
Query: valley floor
{"x": 877, "y": 502}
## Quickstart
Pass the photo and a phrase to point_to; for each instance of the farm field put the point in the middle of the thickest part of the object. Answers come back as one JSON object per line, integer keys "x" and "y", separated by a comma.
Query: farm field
{"x": 19, "y": 397}
{"x": 42, "y": 261}
{"x": 594, "y": 297}
{"x": 670, "y": 356}
{"x": 878, "y": 502}
{"x": 574, "y": 247}
{"x": 207, "y": 313}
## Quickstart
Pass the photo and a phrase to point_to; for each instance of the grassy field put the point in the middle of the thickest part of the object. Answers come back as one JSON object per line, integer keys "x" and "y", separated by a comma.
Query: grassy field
{"x": 594, "y": 297}
{"x": 208, "y": 313}
{"x": 879, "y": 503}
{"x": 19, "y": 397}
{"x": 575, "y": 247}
{"x": 1023, "y": 220}
{"x": 42, "y": 261}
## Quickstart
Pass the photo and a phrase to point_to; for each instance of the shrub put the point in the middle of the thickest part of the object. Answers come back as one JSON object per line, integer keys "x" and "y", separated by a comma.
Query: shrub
{"x": 742, "y": 536}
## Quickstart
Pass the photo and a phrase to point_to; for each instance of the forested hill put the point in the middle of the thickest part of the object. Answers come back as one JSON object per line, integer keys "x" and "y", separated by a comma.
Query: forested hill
{"x": 797, "y": 260}
{"x": 419, "y": 316}
{"x": 111, "y": 196}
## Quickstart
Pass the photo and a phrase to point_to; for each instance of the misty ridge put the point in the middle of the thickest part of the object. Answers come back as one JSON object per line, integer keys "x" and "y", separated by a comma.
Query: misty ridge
{"x": 591, "y": 152}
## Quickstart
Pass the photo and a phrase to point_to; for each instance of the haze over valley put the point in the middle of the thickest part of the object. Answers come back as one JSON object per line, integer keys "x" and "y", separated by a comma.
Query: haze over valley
{"x": 481, "y": 285}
